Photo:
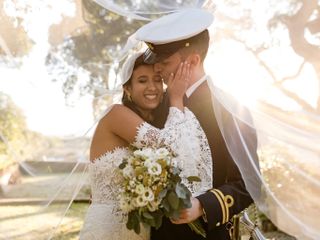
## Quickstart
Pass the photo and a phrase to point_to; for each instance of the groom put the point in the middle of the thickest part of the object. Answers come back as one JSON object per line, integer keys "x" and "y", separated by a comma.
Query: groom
{"x": 172, "y": 39}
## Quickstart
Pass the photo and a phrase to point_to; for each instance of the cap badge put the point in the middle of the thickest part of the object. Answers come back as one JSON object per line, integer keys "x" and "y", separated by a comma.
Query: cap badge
{"x": 150, "y": 46}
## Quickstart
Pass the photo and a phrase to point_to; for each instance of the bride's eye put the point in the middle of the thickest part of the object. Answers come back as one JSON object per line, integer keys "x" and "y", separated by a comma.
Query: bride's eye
{"x": 142, "y": 80}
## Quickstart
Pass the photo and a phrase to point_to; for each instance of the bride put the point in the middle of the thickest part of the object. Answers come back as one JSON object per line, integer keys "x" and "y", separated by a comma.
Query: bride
{"x": 129, "y": 123}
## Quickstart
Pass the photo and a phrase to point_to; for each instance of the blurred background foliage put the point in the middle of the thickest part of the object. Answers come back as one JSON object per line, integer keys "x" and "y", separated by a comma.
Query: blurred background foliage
{"x": 88, "y": 42}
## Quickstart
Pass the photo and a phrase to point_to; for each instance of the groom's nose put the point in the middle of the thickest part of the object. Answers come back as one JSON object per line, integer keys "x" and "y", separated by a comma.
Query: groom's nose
{"x": 158, "y": 67}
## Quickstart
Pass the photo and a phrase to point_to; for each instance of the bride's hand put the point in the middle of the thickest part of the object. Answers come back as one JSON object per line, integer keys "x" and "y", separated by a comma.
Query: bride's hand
{"x": 178, "y": 84}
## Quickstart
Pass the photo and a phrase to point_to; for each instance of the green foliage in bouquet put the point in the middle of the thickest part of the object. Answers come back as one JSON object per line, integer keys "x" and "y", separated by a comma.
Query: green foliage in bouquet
{"x": 152, "y": 188}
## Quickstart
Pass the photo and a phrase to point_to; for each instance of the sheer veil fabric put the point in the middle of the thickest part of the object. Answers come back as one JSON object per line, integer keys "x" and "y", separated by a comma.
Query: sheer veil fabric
{"x": 285, "y": 181}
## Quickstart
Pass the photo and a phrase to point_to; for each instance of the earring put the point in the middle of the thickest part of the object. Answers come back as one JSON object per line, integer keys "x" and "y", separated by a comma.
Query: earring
{"x": 129, "y": 97}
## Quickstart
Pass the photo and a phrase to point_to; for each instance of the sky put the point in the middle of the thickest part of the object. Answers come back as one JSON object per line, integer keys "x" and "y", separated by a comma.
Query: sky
{"x": 43, "y": 103}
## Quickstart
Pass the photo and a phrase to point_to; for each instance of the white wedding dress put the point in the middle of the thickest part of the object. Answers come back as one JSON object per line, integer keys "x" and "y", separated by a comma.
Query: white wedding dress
{"x": 182, "y": 132}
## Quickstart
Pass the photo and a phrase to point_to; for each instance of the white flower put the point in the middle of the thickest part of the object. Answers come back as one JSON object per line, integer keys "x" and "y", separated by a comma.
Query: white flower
{"x": 140, "y": 202}
{"x": 132, "y": 183}
{"x": 130, "y": 160}
{"x": 138, "y": 153}
{"x": 128, "y": 171}
{"x": 139, "y": 189}
{"x": 162, "y": 153}
{"x": 147, "y": 162}
{"x": 148, "y": 195}
{"x": 154, "y": 169}
{"x": 146, "y": 153}
{"x": 125, "y": 204}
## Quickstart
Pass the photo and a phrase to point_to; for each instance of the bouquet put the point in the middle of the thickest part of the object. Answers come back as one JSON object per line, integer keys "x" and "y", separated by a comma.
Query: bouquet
{"x": 152, "y": 188}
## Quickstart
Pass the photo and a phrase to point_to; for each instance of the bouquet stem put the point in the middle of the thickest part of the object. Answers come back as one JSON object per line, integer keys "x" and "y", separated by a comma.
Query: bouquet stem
{"x": 197, "y": 227}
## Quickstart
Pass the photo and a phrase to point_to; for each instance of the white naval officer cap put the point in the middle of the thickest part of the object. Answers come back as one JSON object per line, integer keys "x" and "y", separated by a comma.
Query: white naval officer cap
{"x": 166, "y": 35}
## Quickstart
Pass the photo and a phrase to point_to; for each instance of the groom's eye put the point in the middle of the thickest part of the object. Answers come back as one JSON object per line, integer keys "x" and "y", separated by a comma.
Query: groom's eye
{"x": 157, "y": 79}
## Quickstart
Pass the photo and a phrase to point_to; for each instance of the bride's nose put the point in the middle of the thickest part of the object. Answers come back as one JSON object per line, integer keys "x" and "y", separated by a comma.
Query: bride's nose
{"x": 151, "y": 85}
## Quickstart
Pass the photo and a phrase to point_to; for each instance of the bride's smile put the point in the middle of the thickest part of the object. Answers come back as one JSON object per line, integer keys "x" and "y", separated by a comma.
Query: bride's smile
{"x": 145, "y": 88}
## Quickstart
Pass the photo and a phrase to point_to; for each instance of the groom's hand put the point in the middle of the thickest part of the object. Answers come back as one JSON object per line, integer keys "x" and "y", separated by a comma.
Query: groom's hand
{"x": 190, "y": 214}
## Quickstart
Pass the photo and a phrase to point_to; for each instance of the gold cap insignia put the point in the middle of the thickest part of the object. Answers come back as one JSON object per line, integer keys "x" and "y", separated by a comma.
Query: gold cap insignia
{"x": 150, "y": 46}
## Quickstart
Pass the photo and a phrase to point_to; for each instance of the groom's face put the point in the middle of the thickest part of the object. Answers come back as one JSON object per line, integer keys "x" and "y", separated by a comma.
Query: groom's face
{"x": 168, "y": 66}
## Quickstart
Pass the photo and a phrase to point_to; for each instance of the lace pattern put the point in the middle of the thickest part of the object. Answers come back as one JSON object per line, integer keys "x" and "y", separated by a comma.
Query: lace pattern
{"x": 101, "y": 224}
{"x": 105, "y": 176}
{"x": 184, "y": 135}
{"x": 104, "y": 220}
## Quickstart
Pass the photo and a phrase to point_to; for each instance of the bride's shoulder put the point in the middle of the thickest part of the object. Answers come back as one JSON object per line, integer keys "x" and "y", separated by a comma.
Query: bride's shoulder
{"x": 118, "y": 107}
{"x": 117, "y": 111}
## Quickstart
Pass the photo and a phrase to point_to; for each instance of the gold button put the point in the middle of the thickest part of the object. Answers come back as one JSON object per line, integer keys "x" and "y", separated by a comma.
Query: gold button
{"x": 218, "y": 224}
{"x": 229, "y": 201}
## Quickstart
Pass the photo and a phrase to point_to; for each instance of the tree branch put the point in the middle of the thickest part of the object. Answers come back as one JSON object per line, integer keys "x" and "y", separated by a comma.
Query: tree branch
{"x": 296, "y": 25}
{"x": 293, "y": 76}
{"x": 314, "y": 26}
{"x": 278, "y": 83}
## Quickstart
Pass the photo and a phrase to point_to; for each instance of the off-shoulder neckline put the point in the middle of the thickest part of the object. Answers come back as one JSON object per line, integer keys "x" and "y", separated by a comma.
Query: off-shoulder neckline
{"x": 116, "y": 150}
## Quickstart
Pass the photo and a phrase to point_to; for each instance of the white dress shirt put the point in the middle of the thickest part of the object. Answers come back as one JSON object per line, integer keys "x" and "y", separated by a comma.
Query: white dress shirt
{"x": 194, "y": 86}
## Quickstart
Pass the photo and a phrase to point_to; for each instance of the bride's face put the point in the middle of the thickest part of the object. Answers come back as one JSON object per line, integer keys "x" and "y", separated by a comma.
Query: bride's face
{"x": 146, "y": 88}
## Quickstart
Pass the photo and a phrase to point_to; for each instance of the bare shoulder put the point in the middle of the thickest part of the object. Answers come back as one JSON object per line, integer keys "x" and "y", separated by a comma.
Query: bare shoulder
{"x": 119, "y": 123}
{"x": 120, "y": 111}
{"x": 119, "y": 108}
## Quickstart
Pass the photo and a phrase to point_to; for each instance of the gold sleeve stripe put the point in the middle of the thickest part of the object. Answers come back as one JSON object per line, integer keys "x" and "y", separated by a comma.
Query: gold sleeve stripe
{"x": 223, "y": 209}
{"x": 225, "y": 204}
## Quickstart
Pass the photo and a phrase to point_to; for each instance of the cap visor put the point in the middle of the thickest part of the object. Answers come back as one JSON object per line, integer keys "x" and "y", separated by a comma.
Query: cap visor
{"x": 152, "y": 58}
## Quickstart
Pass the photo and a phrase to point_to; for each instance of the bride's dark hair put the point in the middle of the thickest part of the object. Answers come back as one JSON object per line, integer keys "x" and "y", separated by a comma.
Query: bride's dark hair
{"x": 125, "y": 100}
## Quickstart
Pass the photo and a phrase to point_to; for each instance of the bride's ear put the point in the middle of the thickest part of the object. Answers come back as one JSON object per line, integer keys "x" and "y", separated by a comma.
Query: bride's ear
{"x": 127, "y": 90}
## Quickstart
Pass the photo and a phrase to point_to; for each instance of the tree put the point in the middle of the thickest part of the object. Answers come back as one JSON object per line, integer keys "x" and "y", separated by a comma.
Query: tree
{"x": 13, "y": 38}
{"x": 12, "y": 131}
{"x": 297, "y": 22}
{"x": 17, "y": 142}
{"x": 90, "y": 49}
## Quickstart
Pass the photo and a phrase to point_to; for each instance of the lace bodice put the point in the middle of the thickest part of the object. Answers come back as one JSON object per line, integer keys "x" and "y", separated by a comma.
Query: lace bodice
{"x": 105, "y": 176}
